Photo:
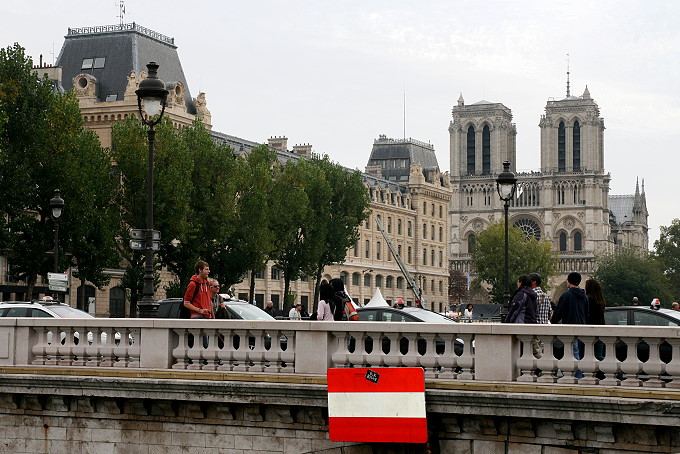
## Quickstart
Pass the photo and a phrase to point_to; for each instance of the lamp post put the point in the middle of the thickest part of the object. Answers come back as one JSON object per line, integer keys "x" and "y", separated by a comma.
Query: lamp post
{"x": 57, "y": 206}
{"x": 506, "y": 183}
{"x": 151, "y": 97}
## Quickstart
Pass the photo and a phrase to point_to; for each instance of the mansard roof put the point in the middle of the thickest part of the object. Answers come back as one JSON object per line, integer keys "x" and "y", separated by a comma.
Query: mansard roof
{"x": 395, "y": 156}
{"x": 124, "y": 48}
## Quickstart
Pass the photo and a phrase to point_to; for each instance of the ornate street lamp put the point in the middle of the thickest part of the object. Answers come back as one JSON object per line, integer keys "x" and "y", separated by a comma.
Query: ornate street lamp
{"x": 506, "y": 183}
{"x": 57, "y": 206}
{"x": 151, "y": 97}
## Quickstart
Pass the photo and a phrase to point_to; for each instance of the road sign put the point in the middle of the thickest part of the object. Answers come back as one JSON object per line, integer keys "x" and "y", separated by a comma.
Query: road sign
{"x": 377, "y": 405}
{"x": 61, "y": 277}
{"x": 58, "y": 287}
{"x": 140, "y": 234}
{"x": 137, "y": 244}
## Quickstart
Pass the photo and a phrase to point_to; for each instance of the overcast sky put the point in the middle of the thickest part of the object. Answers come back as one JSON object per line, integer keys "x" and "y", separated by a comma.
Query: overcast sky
{"x": 336, "y": 74}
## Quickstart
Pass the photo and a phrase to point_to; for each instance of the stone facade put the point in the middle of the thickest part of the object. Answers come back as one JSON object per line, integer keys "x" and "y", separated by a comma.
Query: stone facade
{"x": 566, "y": 202}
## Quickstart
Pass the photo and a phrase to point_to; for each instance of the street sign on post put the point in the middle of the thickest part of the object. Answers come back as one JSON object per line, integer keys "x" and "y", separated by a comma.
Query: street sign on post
{"x": 377, "y": 405}
{"x": 137, "y": 234}
{"x": 58, "y": 287}
{"x": 58, "y": 277}
{"x": 141, "y": 244}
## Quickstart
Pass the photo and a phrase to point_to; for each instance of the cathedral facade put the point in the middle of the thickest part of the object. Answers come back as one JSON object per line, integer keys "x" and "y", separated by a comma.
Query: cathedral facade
{"x": 566, "y": 201}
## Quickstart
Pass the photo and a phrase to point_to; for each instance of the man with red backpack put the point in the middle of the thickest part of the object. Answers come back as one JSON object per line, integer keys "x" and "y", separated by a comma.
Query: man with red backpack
{"x": 344, "y": 308}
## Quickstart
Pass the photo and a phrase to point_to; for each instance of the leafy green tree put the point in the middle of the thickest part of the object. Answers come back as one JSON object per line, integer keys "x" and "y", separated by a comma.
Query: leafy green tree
{"x": 43, "y": 147}
{"x": 667, "y": 250}
{"x": 344, "y": 206}
{"x": 525, "y": 255}
{"x": 290, "y": 221}
{"x": 173, "y": 166}
{"x": 629, "y": 272}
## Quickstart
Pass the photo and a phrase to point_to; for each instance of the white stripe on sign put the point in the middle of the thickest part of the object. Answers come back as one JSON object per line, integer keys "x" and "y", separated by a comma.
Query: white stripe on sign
{"x": 376, "y": 405}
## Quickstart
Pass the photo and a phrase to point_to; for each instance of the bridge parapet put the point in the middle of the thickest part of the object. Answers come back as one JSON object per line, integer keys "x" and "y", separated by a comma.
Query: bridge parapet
{"x": 630, "y": 356}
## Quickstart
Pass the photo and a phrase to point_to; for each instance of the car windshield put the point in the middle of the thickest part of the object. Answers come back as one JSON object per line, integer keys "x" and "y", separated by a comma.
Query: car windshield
{"x": 64, "y": 311}
{"x": 427, "y": 316}
{"x": 249, "y": 312}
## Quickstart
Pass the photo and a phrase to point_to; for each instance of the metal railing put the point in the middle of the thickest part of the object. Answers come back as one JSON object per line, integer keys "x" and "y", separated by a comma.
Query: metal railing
{"x": 119, "y": 28}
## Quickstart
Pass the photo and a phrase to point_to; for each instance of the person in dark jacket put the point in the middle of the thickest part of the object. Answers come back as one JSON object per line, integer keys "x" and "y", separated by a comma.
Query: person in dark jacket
{"x": 572, "y": 309}
{"x": 523, "y": 308}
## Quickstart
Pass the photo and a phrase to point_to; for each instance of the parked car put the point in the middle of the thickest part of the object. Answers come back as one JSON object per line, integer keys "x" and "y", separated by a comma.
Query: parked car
{"x": 642, "y": 316}
{"x": 237, "y": 310}
{"x": 384, "y": 313}
{"x": 49, "y": 308}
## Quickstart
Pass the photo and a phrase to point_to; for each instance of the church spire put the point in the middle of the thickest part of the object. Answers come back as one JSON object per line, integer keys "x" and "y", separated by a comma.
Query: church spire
{"x": 568, "y": 94}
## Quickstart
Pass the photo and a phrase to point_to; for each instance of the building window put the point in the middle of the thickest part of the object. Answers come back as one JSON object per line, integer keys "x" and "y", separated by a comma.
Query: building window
{"x": 399, "y": 250}
{"x": 424, "y": 231}
{"x": 117, "y": 302}
{"x": 441, "y": 234}
{"x": 432, "y": 232}
{"x": 276, "y": 273}
{"x": 409, "y": 254}
{"x": 576, "y": 138}
{"x": 409, "y": 230}
{"x": 578, "y": 241}
{"x": 356, "y": 249}
{"x": 368, "y": 250}
{"x": 471, "y": 151}
{"x": 367, "y": 280}
{"x": 424, "y": 256}
{"x": 398, "y": 226}
{"x": 355, "y": 278}
{"x": 441, "y": 211}
{"x": 441, "y": 287}
{"x": 561, "y": 148}
{"x": 343, "y": 277}
{"x": 472, "y": 240}
{"x": 486, "y": 150}
{"x": 563, "y": 241}
{"x": 432, "y": 257}
{"x": 441, "y": 259}
{"x": 378, "y": 280}
{"x": 432, "y": 213}
{"x": 368, "y": 222}
{"x": 99, "y": 62}
{"x": 304, "y": 299}
{"x": 389, "y": 224}
{"x": 529, "y": 227}
{"x": 259, "y": 274}
{"x": 432, "y": 286}
{"x": 388, "y": 281}
{"x": 424, "y": 208}
{"x": 87, "y": 63}
{"x": 400, "y": 282}
{"x": 377, "y": 250}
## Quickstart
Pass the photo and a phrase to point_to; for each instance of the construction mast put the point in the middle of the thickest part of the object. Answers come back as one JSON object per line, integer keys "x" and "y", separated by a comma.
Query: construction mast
{"x": 411, "y": 283}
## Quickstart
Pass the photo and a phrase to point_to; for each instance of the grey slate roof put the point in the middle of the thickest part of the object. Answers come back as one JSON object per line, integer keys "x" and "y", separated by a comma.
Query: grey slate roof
{"x": 126, "y": 48}
{"x": 621, "y": 207}
{"x": 393, "y": 153}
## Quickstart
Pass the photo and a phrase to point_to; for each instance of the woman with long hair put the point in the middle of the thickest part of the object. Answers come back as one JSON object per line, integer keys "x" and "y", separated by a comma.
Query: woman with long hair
{"x": 596, "y": 305}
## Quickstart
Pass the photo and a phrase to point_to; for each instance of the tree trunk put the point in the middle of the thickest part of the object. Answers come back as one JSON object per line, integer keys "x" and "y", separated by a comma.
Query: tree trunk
{"x": 251, "y": 290}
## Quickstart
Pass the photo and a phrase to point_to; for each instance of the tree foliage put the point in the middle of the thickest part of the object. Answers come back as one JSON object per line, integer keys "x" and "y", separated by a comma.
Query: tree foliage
{"x": 43, "y": 147}
{"x": 525, "y": 255}
{"x": 629, "y": 272}
{"x": 667, "y": 250}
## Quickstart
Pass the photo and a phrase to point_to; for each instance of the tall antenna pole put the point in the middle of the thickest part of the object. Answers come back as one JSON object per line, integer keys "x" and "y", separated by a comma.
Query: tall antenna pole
{"x": 567, "y": 75}
{"x": 121, "y": 7}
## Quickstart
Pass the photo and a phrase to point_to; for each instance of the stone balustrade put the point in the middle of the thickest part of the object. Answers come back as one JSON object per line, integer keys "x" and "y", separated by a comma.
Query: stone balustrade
{"x": 631, "y": 356}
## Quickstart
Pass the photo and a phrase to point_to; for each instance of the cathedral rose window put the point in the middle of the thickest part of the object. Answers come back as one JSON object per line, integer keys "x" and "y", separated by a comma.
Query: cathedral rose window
{"x": 529, "y": 227}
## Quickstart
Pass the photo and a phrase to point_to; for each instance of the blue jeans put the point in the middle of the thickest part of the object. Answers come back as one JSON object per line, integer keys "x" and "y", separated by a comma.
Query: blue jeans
{"x": 578, "y": 354}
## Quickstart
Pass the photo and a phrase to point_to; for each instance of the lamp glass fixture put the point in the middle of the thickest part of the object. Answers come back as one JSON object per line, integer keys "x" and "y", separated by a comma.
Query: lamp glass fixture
{"x": 152, "y": 105}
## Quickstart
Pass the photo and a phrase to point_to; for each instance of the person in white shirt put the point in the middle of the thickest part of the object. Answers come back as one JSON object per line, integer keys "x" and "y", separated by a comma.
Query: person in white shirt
{"x": 294, "y": 313}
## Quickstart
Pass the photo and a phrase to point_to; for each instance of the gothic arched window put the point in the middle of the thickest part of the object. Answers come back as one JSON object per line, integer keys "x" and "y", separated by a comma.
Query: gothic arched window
{"x": 471, "y": 150}
{"x": 529, "y": 227}
{"x": 472, "y": 240}
{"x": 486, "y": 150}
{"x": 576, "y": 139}
{"x": 563, "y": 241}
{"x": 578, "y": 241}
{"x": 561, "y": 148}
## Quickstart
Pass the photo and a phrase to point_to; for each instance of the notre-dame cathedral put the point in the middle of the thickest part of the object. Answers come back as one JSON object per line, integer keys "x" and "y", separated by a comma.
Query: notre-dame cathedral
{"x": 566, "y": 201}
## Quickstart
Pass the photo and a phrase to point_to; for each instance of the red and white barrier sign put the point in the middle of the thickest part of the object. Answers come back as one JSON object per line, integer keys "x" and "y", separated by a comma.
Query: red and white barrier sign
{"x": 377, "y": 405}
